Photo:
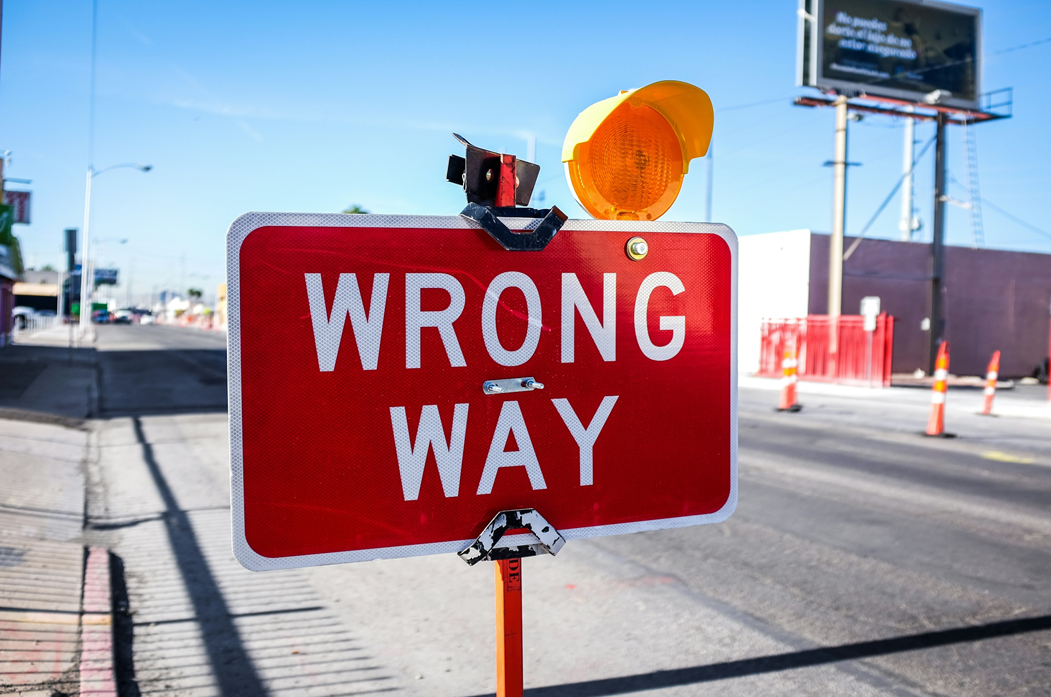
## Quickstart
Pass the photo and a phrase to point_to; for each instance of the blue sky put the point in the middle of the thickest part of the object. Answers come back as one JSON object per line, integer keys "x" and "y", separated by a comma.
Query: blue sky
{"x": 314, "y": 106}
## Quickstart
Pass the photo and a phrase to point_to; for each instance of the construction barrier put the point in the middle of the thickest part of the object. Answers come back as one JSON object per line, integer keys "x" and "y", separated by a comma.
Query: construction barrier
{"x": 861, "y": 357}
{"x": 990, "y": 383}
{"x": 789, "y": 367}
{"x": 936, "y": 423}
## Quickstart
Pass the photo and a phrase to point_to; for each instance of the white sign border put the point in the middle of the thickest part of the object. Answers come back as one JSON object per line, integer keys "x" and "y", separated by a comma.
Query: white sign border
{"x": 245, "y": 224}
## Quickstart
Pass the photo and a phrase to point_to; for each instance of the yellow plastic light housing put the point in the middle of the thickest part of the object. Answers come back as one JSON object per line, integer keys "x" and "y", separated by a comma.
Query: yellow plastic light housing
{"x": 626, "y": 156}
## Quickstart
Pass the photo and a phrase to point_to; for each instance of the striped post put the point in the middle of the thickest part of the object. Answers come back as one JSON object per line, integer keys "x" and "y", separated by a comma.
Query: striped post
{"x": 936, "y": 424}
{"x": 990, "y": 383}
{"x": 789, "y": 365}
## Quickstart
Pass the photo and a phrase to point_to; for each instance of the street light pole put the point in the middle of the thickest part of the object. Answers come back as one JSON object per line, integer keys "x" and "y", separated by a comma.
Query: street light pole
{"x": 85, "y": 263}
{"x": 87, "y": 273}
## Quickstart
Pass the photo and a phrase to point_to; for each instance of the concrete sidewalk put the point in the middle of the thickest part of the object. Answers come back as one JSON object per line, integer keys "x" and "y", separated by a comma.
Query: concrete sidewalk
{"x": 46, "y": 392}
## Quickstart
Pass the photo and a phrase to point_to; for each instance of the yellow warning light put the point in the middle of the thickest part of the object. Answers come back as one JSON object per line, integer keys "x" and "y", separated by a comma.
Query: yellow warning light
{"x": 625, "y": 156}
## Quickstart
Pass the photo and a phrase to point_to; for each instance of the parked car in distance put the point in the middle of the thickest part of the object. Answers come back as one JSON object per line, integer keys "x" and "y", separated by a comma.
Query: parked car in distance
{"x": 146, "y": 318}
{"x": 123, "y": 316}
{"x": 21, "y": 315}
{"x": 101, "y": 317}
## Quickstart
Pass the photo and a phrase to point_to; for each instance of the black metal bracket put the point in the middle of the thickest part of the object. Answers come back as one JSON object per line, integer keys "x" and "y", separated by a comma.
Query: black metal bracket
{"x": 529, "y": 241}
{"x": 484, "y": 548}
{"x": 496, "y": 184}
{"x": 479, "y": 175}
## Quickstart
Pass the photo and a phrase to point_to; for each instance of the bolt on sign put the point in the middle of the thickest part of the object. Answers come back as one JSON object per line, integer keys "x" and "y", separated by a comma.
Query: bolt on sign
{"x": 397, "y": 381}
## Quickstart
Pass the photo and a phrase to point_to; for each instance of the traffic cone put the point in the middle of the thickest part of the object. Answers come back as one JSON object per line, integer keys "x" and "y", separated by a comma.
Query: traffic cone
{"x": 990, "y": 383}
{"x": 936, "y": 424}
{"x": 788, "y": 382}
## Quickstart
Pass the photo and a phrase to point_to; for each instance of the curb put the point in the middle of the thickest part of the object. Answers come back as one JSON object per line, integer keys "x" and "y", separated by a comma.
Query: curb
{"x": 96, "y": 628}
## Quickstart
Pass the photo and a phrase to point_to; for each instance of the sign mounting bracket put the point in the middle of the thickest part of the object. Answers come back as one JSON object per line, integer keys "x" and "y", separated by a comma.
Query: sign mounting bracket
{"x": 484, "y": 548}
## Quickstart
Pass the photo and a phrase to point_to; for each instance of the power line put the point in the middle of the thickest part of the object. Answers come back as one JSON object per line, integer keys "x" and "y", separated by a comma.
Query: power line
{"x": 1016, "y": 219}
{"x": 752, "y": 104}
{"x": 1020, "y": 47}
{"x": 888, "y": 199}
{"x": 757, "y": 141}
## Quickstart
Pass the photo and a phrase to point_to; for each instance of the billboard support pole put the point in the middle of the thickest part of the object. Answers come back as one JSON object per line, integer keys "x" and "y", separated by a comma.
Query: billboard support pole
{"x": 938, "y": 244}
{"x": 839, "y": 215}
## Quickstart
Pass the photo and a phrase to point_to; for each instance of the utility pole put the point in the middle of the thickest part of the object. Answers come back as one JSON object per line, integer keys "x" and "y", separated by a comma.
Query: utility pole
{"x": 708, "y": 194}
{"x": 87, "y": 276}
{"x": 839, "y": 212}
{"x": 938, "y": 244}
{"x": 906, "y": 188}
{"x": 835, "y": 243}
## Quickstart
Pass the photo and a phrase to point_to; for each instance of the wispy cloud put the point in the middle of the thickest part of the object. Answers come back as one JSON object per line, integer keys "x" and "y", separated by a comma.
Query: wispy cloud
{"x": 138, "y": 35}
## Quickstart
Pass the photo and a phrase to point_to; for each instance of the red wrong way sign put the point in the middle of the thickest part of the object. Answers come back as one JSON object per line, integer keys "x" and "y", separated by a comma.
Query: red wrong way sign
{"x": 363, "y": 352}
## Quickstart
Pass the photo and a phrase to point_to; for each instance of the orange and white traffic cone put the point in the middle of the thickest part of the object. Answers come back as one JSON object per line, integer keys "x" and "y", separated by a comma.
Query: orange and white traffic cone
{"x": 788, "y": 382}
{"x": 936, "y": 424}
{"x": 990, "y": 384}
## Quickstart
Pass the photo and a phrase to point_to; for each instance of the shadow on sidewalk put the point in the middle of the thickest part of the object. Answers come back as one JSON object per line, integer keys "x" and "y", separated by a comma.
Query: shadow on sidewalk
{"x": 66, "y": 385}
{"x": 175, "y": 381}
{"x": 47, "y": 384}
{"x": 231, "y": 666}
{"x": 793, "y": 660}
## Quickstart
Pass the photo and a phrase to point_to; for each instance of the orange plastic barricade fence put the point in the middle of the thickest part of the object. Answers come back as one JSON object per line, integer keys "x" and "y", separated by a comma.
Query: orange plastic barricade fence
{"x": 864, "y": 358}
{"x": 990, "y": 383}
{"x": 936, "y": 424}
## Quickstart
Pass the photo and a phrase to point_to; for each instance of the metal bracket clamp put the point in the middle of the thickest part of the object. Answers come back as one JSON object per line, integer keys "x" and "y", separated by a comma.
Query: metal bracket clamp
{"x": 530, "y": 241}
{"x": 484, "y": 548}
{"x": 512, "y": 385}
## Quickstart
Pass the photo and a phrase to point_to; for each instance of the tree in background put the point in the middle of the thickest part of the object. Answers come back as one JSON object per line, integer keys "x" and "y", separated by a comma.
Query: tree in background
{"x": 355, "y": 209}
{"x": 48, "y": 267}
{"x": 195, "y": 294}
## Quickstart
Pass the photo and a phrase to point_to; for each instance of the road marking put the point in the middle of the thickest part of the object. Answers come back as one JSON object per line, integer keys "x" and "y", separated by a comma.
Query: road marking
{"x": 1006, "y": 457}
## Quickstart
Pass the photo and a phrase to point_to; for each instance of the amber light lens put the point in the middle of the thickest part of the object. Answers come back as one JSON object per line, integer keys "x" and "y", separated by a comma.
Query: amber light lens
{"x": 632, "y": 168}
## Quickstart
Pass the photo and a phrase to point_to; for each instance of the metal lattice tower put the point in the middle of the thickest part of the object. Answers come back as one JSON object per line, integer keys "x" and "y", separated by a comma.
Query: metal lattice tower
{"x": 972, "y": 176}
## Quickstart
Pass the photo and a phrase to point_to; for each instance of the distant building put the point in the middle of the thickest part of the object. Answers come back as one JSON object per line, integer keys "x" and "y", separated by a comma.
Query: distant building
{"x": 8, "y": 276}
{"x": 39, "y": 290}
{"x": 994, "y": 299}
{"x": 220, "y": 306}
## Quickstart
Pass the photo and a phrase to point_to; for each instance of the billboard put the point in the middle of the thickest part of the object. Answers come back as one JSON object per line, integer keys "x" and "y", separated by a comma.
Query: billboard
{"x": 106, "y": 277}
{"x": 901, "y": 49}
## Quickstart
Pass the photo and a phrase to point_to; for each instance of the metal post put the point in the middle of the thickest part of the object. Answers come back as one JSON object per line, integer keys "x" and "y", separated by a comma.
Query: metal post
{"x": 708, "y": 194}
{"x": 60, "y": 308}
{"x": 85, "y": 265}
{"x": 906, "y": 188}
{"x": 938, "y": 243}
{"x": 835, "y": 243}
{"x": 839, "y": 213}
{"x": 508, "y": 627}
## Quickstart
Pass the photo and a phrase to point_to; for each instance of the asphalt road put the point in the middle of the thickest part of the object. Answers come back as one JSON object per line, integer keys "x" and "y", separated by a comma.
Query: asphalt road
{"x": 863, "y": 559}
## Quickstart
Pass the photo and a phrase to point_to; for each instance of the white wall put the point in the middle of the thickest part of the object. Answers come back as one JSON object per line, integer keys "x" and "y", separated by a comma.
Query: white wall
{"x": 773, "y": 281}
